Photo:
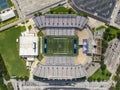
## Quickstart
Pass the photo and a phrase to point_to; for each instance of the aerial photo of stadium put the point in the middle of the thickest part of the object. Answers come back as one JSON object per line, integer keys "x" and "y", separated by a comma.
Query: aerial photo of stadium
{"x": 65, "y": 51}
{"x": 59, "y": 44}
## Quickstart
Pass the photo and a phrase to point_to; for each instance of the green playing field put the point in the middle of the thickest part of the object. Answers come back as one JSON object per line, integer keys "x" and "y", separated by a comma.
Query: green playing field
{"x": 59, "y": 45}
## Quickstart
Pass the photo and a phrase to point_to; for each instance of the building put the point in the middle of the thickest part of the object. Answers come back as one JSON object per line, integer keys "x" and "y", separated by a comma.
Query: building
{"x": 28, "y": 46}
{"x": 7, "y": 15}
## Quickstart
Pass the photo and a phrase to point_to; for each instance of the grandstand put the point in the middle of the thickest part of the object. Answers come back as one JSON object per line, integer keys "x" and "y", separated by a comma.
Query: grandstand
{"x": 58, "y": 60}
{"x": 68, "y": 21}
{"x": 99, "y": 9}
{"x": 60, "y": 72}
{"x": 60, "y": 31}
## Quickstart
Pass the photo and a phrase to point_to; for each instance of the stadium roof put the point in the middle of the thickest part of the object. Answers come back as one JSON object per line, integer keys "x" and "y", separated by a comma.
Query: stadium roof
{"x": 62, "y": 20}
{"x": 28, "y": 46}
{"x": 7, "y": 15}
{"x": 99, "y": 9}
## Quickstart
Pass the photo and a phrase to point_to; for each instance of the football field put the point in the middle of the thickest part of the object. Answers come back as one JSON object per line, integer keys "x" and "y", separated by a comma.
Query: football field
{"x": 60, "y": 45}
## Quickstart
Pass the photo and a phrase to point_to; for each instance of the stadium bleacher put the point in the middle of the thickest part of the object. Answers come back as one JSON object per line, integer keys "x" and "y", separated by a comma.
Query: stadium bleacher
{"x": 60, "y": 31}
{"x": 68, "y": 21}
{"x": 60, "y": 72}
{"x": 58, "y": 60}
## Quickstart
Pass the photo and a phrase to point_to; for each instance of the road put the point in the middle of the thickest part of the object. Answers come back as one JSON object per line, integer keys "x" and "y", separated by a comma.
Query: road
{"x": 114, "y": 14}
{"x": 30, "y": 85}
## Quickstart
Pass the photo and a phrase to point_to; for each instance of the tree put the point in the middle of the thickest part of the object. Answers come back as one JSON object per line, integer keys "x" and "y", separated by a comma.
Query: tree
{"x": 17, "y": 78}
{"x": 51, "y": 11}
{"x": 26, "y": 78}
{"x": 39, "y": 13}
{"x": 35, "y": 14}
{"x": 103, "y": 66}
{"x": 118, "y": 36}
{"x": 69, "y": 11}
{"x": 98, "y": 79}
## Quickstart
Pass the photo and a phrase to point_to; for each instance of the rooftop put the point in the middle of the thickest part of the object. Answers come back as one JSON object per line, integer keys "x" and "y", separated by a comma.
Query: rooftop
{"x": 7, "y": 15}
{"x": 28, "y": 46}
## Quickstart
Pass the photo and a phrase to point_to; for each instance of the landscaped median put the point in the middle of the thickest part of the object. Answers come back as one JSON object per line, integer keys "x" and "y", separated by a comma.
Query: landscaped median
{"x": 9, "y": 49}
{"x": 64, "y": 10}
{"x": 61, "y": 10}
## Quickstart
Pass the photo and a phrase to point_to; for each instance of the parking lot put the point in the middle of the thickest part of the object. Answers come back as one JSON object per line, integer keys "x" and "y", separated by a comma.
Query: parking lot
{"x": 30, "y": 6}
{"x": 117, "y": 20}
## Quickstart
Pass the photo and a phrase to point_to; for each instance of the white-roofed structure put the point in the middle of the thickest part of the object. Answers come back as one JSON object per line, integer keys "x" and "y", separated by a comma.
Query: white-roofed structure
{"x": 28, "y": 46}
{"x": 7, "y": 15}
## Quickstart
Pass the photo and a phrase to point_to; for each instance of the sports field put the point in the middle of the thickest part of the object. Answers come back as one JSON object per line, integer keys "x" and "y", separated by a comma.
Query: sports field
{"x": 60, "y": 45}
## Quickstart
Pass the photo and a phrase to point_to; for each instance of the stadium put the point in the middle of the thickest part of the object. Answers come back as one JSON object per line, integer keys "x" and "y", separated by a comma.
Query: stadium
{"x": 98, "y": 9}
{"x": 65, "y": 45}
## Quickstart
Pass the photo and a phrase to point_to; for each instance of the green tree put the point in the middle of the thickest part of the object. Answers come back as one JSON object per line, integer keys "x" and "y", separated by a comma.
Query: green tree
{"x": 69, "y": 11}
{"x": 118, "y": 36}
{"x": 26, "y": 78}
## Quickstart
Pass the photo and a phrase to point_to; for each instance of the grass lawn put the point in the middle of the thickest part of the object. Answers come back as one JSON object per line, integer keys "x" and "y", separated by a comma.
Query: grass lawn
{"x": 10, "y": 52}
{"x": 111, "y": 33}
{"x": 100, "y": 28}
{"x": 40, "y": 34}
{"x": 59, "y": 45}
{"x": 114, "y": 30}
{"x": 100, "y": 75}
{"x": 29, "y": 27}
{"x": 61, "y": 10}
